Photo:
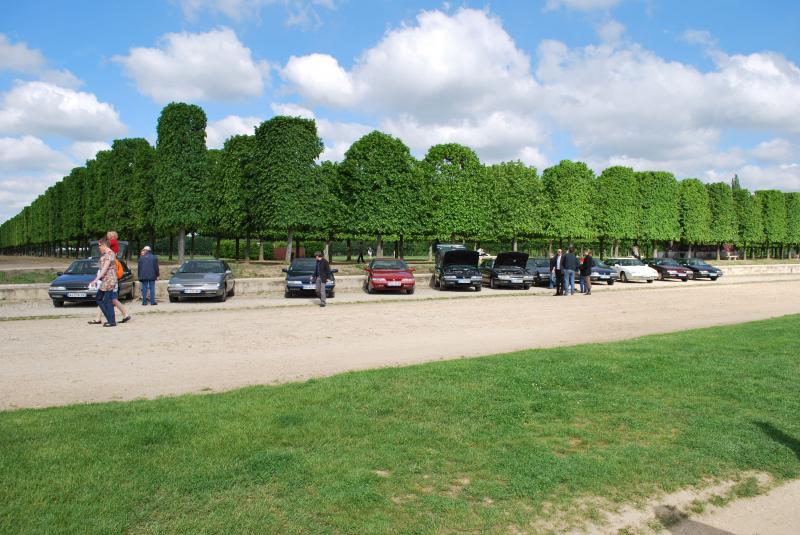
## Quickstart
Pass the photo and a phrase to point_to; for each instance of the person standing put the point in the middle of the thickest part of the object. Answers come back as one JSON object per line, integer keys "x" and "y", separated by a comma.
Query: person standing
{"x": 148, "y": 274}
{"x": 635, "y": 251}
{"x": 107, "y": 280}
{"x": 586, "y": 272}
{"x": 360, "y": 259}
{"x": 570, "y": 264}
{"x": 322, "y": 271}
{"x": 369, "y": 252}
{"x": 556, "y": 268}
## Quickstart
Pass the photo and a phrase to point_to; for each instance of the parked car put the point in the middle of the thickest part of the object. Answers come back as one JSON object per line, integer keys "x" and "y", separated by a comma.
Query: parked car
{"x": 507, "y": 270}
{"x": 443, "y": 247}
{"x": 669, "y": 268}
{"x": 300, "y": 275}
{"x": 389, "y": 274}
{"x": 457, "y": 268}
{"x": 632, "y": 269}
{"x": 602, "y": 272}
{"x": 202, "y": 278}
{"x": 540, "y": 269}
{"x": 72, "y": 285}
{"x": 700, "y": 269}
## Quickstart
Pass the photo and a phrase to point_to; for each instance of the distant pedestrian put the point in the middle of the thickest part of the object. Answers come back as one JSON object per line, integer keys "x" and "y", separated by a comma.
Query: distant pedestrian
{"x": 586, "y": 272}
{"x": 106, "y": 281}
{"x": 557, "y": 271}
{"x": 360, "y": 259}
{"x": 148, "y": 274}
{"x": 322, "y": 272}
{"x": 369, "y": 252}
{"x": 570, "y": 264}
{"x": 635, "y": 251}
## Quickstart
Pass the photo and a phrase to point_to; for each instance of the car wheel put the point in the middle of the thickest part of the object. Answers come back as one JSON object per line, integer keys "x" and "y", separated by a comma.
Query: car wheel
{"x": 411, "y": 290}
{"x": 233, "y": 291}
{"x": 370, "y": 288}
{"x": 173, "y": 299}
{"x": 623, "y": 277}
{"x": 58, "y": 303}
{"x": 649, "y": 281}
{"x": 224, "y": 297}
{"x": 713, "y": 278}
{"x": 526, "y": 286}
{"x": 491, "y": 283}
{"x": 478, "y": 288}
{"x": 684, "y": 279}
{"x": 610, "y": 282}
{"x": 661, "y": 275}
{"x": 332, "y": 294}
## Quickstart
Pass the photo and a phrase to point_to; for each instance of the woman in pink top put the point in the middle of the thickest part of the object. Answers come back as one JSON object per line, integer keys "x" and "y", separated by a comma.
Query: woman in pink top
{"x": 107, "y": 280}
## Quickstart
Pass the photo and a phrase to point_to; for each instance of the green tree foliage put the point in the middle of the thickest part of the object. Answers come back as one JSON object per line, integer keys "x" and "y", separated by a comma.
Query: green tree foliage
{"x": 658, "y": 198}
{"x": 381, "y": 186}
{"x": 773, "y": 209}
{"x": 793, "y": 218}
{"x": 514, "y": 194}
{"x": 616, "y": 204}
{"x": 97, "y": 199}
{"x": 72, "y": 218}
{"x": 453, "y": 173}
{"x": 724, "y": 226}
{"x": 286, "y": 149}
{"x": 695, "y": 213}
{"x": 181, "y": 168}
{"x": 749, "y": 218}
{"x": 237, "y": 172}
{"x": 134, "y": 166}
{"x": 569, "y": 187}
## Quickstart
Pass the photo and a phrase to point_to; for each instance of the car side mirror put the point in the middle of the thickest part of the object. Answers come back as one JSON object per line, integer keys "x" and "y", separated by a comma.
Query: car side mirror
{"x": 285, "y": 270}
{"x": 59, "y": 273}
{"x": 412, "y": 269}
{"x": 228, "y": 271}
{"x": 173, "y": 271}
{"x": 334, "y": 270}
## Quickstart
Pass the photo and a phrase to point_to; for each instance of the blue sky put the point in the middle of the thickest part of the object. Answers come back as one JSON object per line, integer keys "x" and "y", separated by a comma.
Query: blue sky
{"x": 703, "y": 89}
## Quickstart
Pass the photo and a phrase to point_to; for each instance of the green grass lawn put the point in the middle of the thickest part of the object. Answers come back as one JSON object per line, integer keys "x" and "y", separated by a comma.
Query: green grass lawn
{"x": 27, "y": 276}
{"x": 474, "y": 445}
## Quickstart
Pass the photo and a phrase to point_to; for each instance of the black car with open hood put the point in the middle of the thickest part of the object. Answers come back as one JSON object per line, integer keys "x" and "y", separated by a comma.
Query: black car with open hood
{"x": 508, "y": 270}
{"x": 457, "y": 268}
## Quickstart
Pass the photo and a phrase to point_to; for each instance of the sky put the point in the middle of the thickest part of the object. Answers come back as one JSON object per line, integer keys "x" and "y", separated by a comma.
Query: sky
{"x": 702, "y": 89}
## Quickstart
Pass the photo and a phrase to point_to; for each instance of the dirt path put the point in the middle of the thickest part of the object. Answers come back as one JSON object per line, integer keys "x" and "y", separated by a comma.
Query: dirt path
{"x": 47, "y": 362}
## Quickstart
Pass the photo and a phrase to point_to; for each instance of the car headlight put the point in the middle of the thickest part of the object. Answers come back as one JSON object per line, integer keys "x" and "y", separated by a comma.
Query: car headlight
{"x": 211, "y": 286}
{"x": 294, "y": 282}
{"x": 477, "y": 277}
{"x": 408, "y": 281}
{"x": 175, "y": 286}
{"x": 378, "y": 279}
{"x": 450, "y": 277}
{"x": 59, "y": 288}
{"x": 504, "y": 277}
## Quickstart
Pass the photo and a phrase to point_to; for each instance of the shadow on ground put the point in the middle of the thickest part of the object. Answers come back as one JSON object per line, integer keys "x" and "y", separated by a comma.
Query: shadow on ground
{"x": 677, "y": 523}
{"x": 780, "y": 437}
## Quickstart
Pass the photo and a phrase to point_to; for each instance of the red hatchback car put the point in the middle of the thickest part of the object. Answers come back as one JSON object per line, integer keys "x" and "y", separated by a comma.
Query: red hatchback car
{"x": 389, "y": 274}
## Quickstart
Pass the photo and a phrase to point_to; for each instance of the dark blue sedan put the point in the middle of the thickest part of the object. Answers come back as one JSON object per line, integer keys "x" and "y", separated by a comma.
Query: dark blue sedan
{"x": 72, "y": 285}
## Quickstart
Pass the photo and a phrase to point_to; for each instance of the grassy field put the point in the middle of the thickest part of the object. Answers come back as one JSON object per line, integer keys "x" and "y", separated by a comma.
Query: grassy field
{"x": 27, "y": 276}
{"x": 475, "y": 445}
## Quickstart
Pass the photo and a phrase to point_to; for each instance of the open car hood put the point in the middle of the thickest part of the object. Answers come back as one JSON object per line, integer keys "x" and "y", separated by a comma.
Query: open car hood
{"x": 511, "y": 259}
{"x": 460, "y": 257}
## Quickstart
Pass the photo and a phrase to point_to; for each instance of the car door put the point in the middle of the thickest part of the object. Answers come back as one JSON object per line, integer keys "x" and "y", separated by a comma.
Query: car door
{"x": 228, "y": 277}
{"x": 486, "y": 270}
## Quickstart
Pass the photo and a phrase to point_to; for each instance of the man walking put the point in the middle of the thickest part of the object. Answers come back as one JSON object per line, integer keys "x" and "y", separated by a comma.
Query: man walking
{"x": 556, "y": 268}
{"x": 586, "y": 272}
{"x": 570, "y": 264}
{"x": 322, "y": 272}
{"x": 360, "y": 259}
{"x": 148, "y": 273}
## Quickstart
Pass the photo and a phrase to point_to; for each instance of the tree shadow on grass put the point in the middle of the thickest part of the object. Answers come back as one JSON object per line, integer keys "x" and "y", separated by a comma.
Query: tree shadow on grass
{"x": 779, "y": 436}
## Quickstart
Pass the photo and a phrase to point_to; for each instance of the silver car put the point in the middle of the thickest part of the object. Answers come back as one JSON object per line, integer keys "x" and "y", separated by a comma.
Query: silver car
{"x": 202, "y": 278}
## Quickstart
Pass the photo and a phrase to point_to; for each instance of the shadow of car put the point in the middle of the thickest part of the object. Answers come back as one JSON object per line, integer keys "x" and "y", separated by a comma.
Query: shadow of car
{"x": 202, "y": 278}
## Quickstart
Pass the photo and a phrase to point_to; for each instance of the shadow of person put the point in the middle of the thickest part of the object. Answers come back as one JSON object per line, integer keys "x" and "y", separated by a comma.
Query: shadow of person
{"x": 677, "y": 523}
{"x": 779, "y": 436}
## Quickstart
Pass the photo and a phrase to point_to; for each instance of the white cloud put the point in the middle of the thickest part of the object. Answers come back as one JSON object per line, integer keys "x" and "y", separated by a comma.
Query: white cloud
{"x": 22, "y": 59}
{"x": 775, "y": 151}
{"x": 211, "y": 66}
{"x": 320, "y": 79}
{"x": 30, "y": 154}
{"x": 292, "y": 110}
{"x": 232, "y": 125}
{"x": 87, "y": 150}
{"x": 580, "y": 5}
{"x": 302, "y": 13}
{"x": 611, "y": 32}
{"x": 43, "y": 109}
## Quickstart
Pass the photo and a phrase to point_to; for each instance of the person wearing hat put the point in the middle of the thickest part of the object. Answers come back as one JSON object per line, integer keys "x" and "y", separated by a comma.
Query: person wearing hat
{"x": 148, "y": 274}
{"x": 322, "y": 272}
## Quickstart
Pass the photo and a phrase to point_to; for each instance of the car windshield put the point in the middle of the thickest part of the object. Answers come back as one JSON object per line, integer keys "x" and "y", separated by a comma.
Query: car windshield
{"x": 667, "y": 262}
{"x": 538, "y": 262}
{"x": 303, "y": 264}
{"x": 389, "y": 264}
{"x": 696, "y": 262}
{"x": 193, "y": 266}
{"x": 629, "y": 262}
{"x": 599, "y": 264}
{"x": 83, "y": 267}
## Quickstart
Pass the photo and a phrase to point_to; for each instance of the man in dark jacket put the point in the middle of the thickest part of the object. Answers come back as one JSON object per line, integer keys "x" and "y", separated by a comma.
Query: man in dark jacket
{"x": 570, "y": 264}
{"x": 148, "y": 274}
{"x": 586, "y": 272}
{"x": 557, "y": 268}
{"x": 322, "y": 272}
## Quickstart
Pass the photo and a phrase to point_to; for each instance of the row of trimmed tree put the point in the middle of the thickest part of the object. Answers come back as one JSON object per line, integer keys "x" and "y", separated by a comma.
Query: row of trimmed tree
{"x": 269, "y": 185}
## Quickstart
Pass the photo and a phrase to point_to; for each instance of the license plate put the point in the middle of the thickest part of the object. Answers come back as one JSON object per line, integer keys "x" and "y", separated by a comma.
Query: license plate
{"x": 76, "y": 294}
{"x": 704, "y": 272}
{"x": 464, "y": 281}
{"x": 192, "y": 291}
{"x": 393, "y": 284}
{"x": 516, "y": 281}
{"x": 309, "y": 287}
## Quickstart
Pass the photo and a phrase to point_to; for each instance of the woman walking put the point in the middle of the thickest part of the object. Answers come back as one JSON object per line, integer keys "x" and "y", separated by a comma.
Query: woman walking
{"x": 586, "y": 272}
{"x": 107, "y": 280}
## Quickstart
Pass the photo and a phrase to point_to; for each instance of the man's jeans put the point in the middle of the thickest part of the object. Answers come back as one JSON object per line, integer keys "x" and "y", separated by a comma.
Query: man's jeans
{"x": 552, "y": 279}
{"x": 582, "y": 280}
{"x": 321, "y": 291}
{"x": 148, "y": 286}
{"x": 569, "y": 281}
{"x": 105, "y": 304}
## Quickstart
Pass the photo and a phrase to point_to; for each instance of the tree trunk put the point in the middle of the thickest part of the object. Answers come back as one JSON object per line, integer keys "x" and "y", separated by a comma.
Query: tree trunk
{"x": 261, "y": 249}
{"x": 181, "y": 245}
{"x": 402, "y": 247}
{"x": 744, "y": 251}
{"x": 191, "y": 246}
{"x": 514, "y": 243}
{"x": 171, "y": 244}
{"x": 327, "y": 251}
{"x": 379, "y": 247}
{"x": 719, "y": 246}
{"x": 297, "y": 248}
{"x": 236, "y": 252}
{"x": 349, "y": 250}
{"x": 247, "y": 248}
{"x": 550, "y": 249}
{"x": 288, "y": 256}
{"x": 655, "y": 249}
{"x": 768, "y": 250}
{"x": 396, "y": 249}
{"x": 430, "y": 252}
{"x": 219, "y": 244}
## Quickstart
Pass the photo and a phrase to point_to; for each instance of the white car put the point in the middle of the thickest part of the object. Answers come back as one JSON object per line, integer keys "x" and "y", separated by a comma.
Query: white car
{"x": 632, "y": 269}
